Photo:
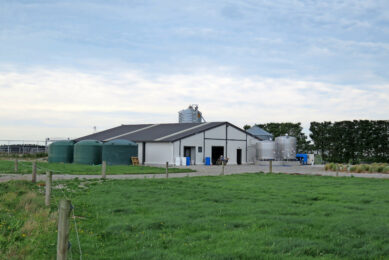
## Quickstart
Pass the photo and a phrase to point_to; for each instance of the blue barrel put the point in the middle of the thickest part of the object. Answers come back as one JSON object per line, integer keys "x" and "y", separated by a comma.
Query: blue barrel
{"x": 187, "y": 161}
{"x": 207, "y": 160}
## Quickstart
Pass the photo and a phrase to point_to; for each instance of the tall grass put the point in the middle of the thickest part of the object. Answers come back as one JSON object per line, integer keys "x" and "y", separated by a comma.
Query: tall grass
{"x": 359, "y": 168}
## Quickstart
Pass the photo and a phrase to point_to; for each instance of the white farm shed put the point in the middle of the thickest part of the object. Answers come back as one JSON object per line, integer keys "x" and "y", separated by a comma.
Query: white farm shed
{"x": 161, "y": 143}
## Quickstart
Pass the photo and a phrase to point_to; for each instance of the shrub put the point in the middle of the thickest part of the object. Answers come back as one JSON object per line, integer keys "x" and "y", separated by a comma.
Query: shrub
{"x": 380, "y": 168}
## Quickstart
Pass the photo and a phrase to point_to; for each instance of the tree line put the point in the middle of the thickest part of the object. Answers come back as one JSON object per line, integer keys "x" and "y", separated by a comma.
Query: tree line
{"x": 354, "y": 142}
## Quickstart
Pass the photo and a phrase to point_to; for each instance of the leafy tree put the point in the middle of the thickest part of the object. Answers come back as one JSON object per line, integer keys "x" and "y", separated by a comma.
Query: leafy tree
{"x": 246, "y": 127}
{"x": 320, "y": 137}
{"x": 352, "y": 141}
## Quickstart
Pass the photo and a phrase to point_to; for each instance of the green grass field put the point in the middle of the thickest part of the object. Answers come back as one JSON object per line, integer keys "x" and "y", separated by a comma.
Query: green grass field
{"x": 7, "y": 166}
{"x": 252, "y": 216}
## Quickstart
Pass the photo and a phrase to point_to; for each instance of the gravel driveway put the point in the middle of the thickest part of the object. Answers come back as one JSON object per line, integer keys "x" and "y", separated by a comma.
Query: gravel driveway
{"x": 205, "y": 171}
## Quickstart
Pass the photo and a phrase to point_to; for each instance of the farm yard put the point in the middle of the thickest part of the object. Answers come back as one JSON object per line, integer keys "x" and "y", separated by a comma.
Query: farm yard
{"x": 249, "y": 216}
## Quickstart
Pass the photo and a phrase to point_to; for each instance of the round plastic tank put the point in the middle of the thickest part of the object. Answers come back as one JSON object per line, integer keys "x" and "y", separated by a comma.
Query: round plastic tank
{"x": 61, "y": 152}
{"x": 119, "y": 152}
{"x": 286, "y": 148}
{"x": 88, "y": 152}
{"x": 266, "y": 150}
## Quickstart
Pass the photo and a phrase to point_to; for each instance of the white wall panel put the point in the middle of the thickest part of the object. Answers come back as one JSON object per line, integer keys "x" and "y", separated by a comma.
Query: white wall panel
{"x": 159, "y": 153}
{"x": 234, "y": 133}
{"x": 232, "y": 147}
{"x": 218, "y": 132}
{"x": 194, "y": 141}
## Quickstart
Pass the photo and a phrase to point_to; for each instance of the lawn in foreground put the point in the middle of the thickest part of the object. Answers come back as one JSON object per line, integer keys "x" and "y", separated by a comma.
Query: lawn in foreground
{"x": 7, "y": 166}
{"x": 252, "y": 216}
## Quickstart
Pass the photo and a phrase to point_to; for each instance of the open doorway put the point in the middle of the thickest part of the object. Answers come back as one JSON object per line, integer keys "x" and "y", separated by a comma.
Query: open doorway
{"x": 190, "y": 151}
{"x": 239, "y": 156}
{"x": 216, "y": 152}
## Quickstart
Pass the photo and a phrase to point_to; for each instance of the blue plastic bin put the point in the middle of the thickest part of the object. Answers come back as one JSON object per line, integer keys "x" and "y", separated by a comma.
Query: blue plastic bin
{"x": 187, "y": 161}
{"x": 302, "y": 157}
{"x": 207, "y": 160}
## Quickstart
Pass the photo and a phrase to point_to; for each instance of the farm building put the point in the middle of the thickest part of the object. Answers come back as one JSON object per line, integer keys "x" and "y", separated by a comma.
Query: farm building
{"x": 161, "y": 143}
{"x": 260, "y": 133}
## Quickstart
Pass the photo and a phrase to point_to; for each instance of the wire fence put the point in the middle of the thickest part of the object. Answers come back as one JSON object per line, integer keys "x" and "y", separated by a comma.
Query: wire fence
{"x": 68, "y": 197}
{"x": 23, "y": 146}
{"x": 56, "y": 200}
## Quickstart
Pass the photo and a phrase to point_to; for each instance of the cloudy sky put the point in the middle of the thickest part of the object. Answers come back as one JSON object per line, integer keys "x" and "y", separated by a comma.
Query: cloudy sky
{"x": 67, "y": 66}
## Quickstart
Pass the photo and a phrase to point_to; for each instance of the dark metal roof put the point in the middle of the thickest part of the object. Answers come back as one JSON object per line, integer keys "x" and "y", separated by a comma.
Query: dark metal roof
{"x": 193, "y": 131}
{"x": 154, "y": 133}
{"x": 112, "y": 132}
{"x": 158, "y": 131}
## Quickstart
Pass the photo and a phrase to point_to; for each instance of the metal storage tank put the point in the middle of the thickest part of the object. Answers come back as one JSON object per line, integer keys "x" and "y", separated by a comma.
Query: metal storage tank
{"x": 266, "y": 150}
{"x": 286, "y": 148}
{"x": 119, "y": 152}
{"x": 61, "y": 152}
{"x": 88, "y": 152}
{"x": 190, "y": 115}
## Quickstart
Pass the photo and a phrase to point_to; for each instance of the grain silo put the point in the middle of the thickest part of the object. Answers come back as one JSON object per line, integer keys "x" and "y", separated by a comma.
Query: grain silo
{"x": 190, "y": 115}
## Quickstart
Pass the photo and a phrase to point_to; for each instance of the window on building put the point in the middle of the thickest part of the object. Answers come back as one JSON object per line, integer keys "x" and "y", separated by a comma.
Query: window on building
{"x": 200, "y": 149}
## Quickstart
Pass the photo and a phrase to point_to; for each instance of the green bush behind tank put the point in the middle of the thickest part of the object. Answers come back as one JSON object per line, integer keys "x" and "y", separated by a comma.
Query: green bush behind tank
{"x": 88, "y": 152}
{"x": 61, "y": 151}
{"x": 119, "y": 152}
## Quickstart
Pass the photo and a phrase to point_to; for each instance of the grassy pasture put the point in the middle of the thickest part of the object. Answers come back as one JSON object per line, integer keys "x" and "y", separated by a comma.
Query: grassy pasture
{"x": 7, "y": 166}
{"x": 253, "y": 216}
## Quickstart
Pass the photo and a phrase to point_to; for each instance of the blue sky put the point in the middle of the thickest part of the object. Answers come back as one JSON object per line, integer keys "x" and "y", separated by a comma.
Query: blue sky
{"x": 72, "y": 65}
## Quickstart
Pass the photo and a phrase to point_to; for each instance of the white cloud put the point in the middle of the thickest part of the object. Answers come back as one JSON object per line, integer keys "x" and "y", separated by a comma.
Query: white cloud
{"x": 42, "y": 102}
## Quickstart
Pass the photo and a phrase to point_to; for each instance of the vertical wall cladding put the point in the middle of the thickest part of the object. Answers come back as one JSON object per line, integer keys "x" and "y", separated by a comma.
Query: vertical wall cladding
{"x": 236, "y": 140}
{"x": 215, "y": 137}
{"x": 159, "y": 153}
{"x": 195, "y": 141}
{"x": 232, "y": 151}
{"x": 216, "y": 133}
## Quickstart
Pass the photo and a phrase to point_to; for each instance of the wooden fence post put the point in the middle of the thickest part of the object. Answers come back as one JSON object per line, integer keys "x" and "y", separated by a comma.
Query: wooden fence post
{"x": 16, "y": 165}
{"x": 270, "y": 166}
{"x": 63, "y": 229}
{"x": 167, "y": 169}
{"x": 104, "y": 170}
{"x": 33, "y": 176}
{"x": 222, "y": 173}
{"x": 48, "y": 188}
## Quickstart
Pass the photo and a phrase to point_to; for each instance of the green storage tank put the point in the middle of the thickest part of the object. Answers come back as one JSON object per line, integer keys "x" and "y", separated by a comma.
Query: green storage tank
{"x": 88, "y": 152}
{"x": 61, "y": 151}
{"x": 119, "y": 152}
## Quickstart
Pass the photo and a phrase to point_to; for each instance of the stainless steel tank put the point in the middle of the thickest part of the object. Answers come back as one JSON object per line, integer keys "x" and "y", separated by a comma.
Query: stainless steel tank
{"x": 266, "y": 150}
{"x": 190, "y": 115}
{"x": 286, "y": 148}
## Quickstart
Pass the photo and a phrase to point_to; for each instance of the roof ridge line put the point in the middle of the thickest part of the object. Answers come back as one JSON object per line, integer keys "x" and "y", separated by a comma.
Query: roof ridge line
{"x": 141, "y": 129}
{"x": 182, "y": 131}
